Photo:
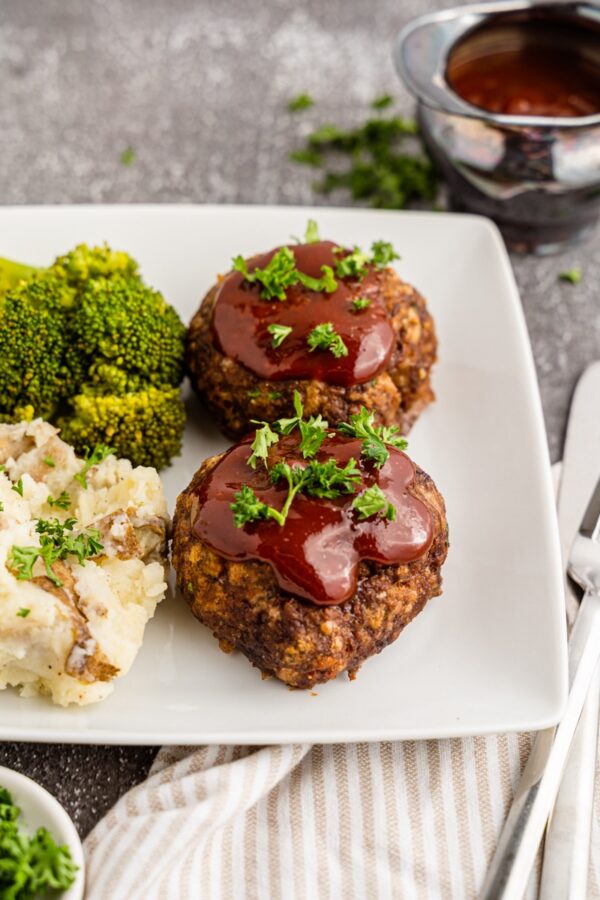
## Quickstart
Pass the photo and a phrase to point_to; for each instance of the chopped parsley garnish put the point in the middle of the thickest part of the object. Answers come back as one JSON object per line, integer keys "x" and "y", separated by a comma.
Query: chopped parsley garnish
{"x": 128, "y": 156}
{"x": 280, "y": 273}
{"x": 18, "y": 487}
{"x": 360, "y": 303}
{"x": 30, "y": 866}
{"x": 48, "y": 461}
{"x": 274, "y": 395}
{"x": 93, "y": 458}
{"x": 255, "y": 392}
{"x": 355, "y": 264}
{"x": 2, "y": 468}
{"x": 57, "y": 541}
{"x": 325, "y": 337}
{"x": 313, "y": 431}
{"x": 382, "y": 102}
{"x": 373, "y": 501}
{"x": 573, "y": 276}
{"x": 279, "y": 333}
{"x": 63, "y": 501}
{"x": 247, "y": 507}
{"x": 23, "y": 612}
{"x": 311, "y": 235}
{"x": 1, "y": 506}
{"x": 264, "y": 438}
{"x": 307, "y": 157}
{"x": 382, "y": 254}
{"x": 374, "y": 437}
{"x": 380, "y": 167}
{"x": 302, "y": 101}
{"x": 327, "y": 480}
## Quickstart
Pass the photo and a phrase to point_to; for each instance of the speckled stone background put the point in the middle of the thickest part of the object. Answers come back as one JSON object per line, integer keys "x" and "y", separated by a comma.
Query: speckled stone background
{"x": 198, "y": 89}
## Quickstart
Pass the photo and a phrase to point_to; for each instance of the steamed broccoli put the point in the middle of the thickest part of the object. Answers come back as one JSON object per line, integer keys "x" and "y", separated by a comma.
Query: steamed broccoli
{"x": 127, "y": 325}
{"x": 85, "y": 342}
{"x": 38, "y": 365}
{"x": 144, "y": 426}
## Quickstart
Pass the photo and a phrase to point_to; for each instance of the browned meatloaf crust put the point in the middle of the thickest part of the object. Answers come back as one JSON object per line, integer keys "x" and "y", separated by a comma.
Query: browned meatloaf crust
{"x": 298, "y": 642}
{"x": 398, "y": 395}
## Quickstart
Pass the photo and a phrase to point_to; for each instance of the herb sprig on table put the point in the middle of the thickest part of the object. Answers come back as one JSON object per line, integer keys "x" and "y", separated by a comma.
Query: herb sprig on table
{"x": 372, "y": 160}
{"x": 326, "y": 480}
{"x": 30, "y": 866}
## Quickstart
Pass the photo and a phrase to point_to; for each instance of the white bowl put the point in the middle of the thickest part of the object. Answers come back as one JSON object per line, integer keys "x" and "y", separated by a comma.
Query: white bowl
{"x": 39, "y": 809}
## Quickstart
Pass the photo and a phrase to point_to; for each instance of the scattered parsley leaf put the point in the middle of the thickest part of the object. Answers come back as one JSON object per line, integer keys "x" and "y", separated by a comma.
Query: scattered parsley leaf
{"x": 274, "y": 395}
{"x": 248, "y": 508}
{"x": 311, "y": 235}
{"x": 325, "y": 337}
{"x": 373, "y": 501}
{"x": 63, "y": 501}
{"x": 57, "y": 541}
{"x": 374, "y": 437}
{"x": 279, "y": 333}
{"x": 360, "y": 303}
{"x": 127, "y": 156}
{"x": 18, "y": 487}
{"x": 23, "y": 612}
{"x": 255, "y": 392}
{"x": 302, "y": 101}
{"x": 264, "y": 438}
{"x": 1, "y": 506}
{"x": 312, "y": 434}
{"x": 380, "y": 169}
{"x": 573, "y": 276}
{"x": 326, "y": 284}
{"x": 20, "y": 561}
{"x": 48, "y": 461}
{"x": 306, "y": 157}
{"x": 382, "y": 254}
{"x": 93, "y": 458}
{"x": 279, "y": 274}
{"x": 382, "y": 102}
{"x": 2, "y": 468}
{"x": 353, "y": 264}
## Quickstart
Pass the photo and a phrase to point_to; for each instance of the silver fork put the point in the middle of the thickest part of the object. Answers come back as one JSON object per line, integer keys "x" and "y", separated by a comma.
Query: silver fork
{"x": 520, "y": 838}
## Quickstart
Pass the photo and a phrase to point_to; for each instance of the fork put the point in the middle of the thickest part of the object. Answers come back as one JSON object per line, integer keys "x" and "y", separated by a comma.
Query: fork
{"x": 520, "y": 838}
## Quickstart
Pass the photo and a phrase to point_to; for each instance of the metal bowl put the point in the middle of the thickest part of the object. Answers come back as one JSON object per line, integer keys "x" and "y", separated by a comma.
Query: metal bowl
{"x": 537, "y": 177}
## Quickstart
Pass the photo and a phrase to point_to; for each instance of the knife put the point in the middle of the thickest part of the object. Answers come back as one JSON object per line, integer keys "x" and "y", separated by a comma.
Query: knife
{"x": 524, "y": 827}
{"x": 567, "y": 845}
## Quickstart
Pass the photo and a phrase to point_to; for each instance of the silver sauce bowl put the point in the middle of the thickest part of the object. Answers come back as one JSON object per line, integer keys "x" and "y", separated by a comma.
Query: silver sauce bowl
{"x": 538, "y": 177}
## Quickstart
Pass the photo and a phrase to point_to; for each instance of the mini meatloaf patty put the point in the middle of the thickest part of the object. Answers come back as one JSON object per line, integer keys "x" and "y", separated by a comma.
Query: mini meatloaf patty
{"x": 299, "y": 642}
{"x": 236, "y": 396}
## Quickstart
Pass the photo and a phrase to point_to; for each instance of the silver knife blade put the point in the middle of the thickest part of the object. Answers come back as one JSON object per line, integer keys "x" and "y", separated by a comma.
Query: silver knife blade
{"x": 568, "y": 837}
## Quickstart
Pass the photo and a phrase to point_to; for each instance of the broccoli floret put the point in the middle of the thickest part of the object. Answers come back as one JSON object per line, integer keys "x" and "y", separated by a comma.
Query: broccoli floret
{"x": 86, "y": 342}
{"x": 85, "y": 263}
{"x": 145, "y": 426}
{"x": 128, "y": 326}
{"x": 38, "y": 365}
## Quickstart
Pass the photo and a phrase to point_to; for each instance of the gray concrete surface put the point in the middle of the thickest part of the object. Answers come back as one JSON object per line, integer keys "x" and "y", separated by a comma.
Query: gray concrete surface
{"x": 198, "y": 90}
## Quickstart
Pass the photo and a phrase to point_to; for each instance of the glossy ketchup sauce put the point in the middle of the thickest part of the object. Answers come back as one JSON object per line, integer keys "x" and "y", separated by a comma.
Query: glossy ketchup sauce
{"x": 315, "y": 554}
{"x": 532, "y": 69}
{"x": 241, "y": 319}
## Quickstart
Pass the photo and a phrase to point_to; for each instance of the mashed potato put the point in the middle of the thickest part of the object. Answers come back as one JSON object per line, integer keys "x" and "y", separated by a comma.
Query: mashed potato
{"x": 72, "y": 641}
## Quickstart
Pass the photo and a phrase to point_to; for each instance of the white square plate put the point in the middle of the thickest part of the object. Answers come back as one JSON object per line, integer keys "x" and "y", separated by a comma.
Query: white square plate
{"x": 488, "y": 655}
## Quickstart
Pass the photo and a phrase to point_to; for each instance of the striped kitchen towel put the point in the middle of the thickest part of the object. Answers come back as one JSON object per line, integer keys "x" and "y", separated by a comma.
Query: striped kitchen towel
{"x": 417, "y": 820}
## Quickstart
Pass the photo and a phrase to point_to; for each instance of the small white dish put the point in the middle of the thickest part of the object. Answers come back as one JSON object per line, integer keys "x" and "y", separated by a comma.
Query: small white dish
{"x": 39, "y": 809}
{"x": 489, "y": 655}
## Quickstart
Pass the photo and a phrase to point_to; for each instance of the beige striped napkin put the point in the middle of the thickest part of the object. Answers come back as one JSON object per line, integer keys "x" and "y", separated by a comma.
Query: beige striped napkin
{"x": 411, "y": 820}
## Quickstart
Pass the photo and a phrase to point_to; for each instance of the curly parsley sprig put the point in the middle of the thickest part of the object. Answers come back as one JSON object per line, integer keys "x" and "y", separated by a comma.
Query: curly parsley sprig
{"x": 57, "y": 541}
{"x": 281, "y": 273}
{"x": 93, "y": 458}
{"x": 326, "y": 480}
{"x": 374, "y": 437}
